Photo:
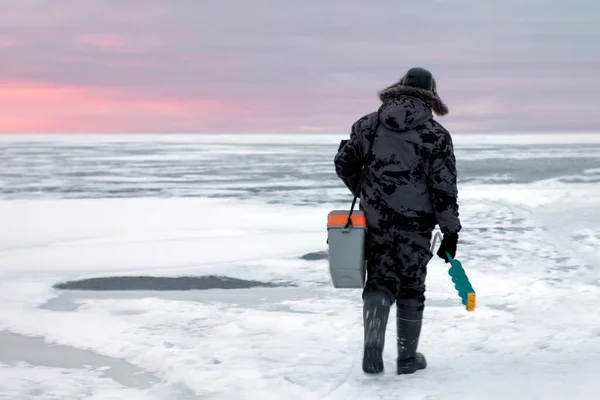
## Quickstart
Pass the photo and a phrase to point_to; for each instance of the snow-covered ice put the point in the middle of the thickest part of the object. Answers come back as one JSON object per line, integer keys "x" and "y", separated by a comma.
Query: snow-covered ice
{"x": 172, "y": 206}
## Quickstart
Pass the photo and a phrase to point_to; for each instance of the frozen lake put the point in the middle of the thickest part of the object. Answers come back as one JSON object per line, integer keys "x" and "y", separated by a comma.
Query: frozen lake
{"x": 252, "y": 208}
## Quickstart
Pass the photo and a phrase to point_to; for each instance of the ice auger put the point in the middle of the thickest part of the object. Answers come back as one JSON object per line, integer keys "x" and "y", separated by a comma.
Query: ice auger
{"x": 459, "y": 278}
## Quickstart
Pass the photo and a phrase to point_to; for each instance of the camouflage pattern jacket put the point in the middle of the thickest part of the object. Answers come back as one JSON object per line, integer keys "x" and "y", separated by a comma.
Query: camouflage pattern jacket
{"x": 410, "y": 178}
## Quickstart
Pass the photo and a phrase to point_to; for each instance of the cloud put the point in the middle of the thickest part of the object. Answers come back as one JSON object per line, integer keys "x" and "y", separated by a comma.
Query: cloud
{"x": 63, "y": 108}
{"x": 296, "y": 66}
{"x": 111, "y": 42}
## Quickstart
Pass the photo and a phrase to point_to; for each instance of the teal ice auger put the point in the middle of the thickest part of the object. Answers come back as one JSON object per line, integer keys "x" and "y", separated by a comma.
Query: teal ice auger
{"x": 460, "y": 280}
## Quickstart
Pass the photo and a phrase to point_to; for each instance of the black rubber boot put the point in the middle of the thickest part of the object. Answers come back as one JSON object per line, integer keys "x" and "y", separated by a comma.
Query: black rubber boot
{"x": 376, "y": 310}
{"x": 408, "y": 325}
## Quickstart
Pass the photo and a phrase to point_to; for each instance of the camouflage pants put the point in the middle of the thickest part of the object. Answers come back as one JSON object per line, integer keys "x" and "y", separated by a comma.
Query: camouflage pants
{"x": 397, "y": 265}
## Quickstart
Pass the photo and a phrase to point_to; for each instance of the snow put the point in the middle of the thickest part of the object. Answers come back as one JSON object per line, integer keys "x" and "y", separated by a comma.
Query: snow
{"x": 124, "y": 235}
{"x": 27, "y": 382}
{"x": 529, "y": 251}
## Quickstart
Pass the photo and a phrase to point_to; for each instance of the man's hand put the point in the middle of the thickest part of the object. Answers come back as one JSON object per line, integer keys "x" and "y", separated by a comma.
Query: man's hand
{"x": 448, "y": 245}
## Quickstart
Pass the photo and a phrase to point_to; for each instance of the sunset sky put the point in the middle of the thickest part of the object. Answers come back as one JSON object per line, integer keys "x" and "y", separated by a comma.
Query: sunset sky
{"x": 210, "y": 66}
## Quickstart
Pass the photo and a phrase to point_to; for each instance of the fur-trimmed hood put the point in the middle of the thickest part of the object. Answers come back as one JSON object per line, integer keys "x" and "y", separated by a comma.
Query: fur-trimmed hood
{"x": 403, "y": 114}
{"x": 430, "y": 97}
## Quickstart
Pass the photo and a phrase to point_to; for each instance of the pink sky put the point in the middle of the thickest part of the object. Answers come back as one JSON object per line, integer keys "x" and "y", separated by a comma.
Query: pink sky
{"x": 267, "y": 66}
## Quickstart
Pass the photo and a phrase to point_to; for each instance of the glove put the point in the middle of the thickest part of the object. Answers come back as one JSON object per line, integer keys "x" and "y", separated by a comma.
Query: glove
{"x": 448, "y": 245}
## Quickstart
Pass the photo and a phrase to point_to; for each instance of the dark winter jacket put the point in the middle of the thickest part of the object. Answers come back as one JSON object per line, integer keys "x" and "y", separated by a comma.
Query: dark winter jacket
{"x": 410, "y": 180}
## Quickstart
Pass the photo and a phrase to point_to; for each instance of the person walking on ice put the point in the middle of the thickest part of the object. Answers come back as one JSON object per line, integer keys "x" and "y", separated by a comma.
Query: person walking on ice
{"x": 409, "y": 187}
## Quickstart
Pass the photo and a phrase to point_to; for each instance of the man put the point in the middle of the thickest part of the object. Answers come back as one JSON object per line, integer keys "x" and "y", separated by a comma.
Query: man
{"x": 408, "y": 187}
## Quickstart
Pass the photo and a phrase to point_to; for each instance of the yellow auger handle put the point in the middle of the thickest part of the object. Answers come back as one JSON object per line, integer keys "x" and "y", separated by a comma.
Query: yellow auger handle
{"x": 471, "y": 301}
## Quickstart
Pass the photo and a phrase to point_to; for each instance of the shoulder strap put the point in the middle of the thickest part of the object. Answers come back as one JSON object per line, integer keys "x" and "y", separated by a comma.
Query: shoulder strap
{"x": 362, "y": 173}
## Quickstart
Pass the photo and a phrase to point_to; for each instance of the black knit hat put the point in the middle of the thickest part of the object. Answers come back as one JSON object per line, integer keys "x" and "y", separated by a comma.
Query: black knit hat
{"x": 417, "y": 82}
{"x": 420, "y": 78}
